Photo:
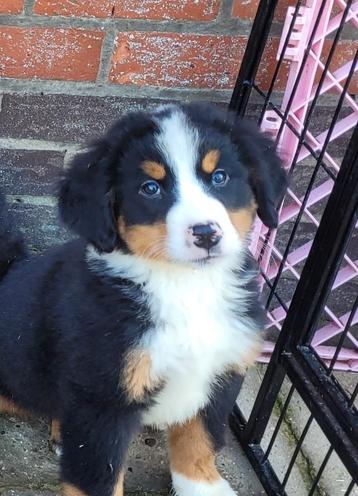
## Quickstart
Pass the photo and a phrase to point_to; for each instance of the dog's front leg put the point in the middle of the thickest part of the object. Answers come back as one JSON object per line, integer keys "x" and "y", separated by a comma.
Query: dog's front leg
{"x": 192, "y": 461}
{"x": 95, "y": 442}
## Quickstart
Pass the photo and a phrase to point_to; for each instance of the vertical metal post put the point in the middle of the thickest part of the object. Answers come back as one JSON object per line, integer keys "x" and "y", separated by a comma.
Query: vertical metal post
{"x": 253, "y": 53}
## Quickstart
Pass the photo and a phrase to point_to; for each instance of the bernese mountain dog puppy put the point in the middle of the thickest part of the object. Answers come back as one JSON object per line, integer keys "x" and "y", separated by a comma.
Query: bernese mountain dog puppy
{"x": 151, "y": 317}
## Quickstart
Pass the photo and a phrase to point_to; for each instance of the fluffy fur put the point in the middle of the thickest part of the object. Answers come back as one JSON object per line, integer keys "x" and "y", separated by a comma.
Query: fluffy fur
{"x": 152, "y": 315}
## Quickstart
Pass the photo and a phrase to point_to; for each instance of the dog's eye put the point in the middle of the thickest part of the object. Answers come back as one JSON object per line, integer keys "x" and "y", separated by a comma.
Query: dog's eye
{"x": 150, "y": 189}
{"x": 219, "y": 177}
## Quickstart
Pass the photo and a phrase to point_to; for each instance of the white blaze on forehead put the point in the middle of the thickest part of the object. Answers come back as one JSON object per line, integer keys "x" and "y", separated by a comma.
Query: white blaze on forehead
{"x": 178, "y": 141}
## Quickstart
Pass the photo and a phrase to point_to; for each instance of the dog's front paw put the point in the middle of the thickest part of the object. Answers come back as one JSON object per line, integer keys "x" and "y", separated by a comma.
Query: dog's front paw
{"x": 187, "y": 487}
{"x": 56, "y": 448}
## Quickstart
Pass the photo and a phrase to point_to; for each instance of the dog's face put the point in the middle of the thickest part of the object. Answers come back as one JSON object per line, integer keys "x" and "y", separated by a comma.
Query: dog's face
{"x": 180, "y": 184}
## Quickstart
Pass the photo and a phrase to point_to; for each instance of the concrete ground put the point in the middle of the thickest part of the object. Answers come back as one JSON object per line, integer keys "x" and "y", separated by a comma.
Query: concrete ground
{"x": 28, "y": 467}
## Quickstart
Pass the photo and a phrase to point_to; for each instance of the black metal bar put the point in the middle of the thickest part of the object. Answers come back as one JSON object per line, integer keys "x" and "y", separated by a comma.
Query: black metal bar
{"x": 277, "y": 296}
{"x": 316, "y": 480}
{"x": 280, "y": 60}
{"x": 279, "y": 422}
{"x": 318, "y": 91}
{"x": 301, "y": 68}
{"x": 260, "y": 414}
{"x": 344, "y": 445}
{"x": 311, "y": 182}
{"x": 350, "y": 488}
{"x": 354, "y": 395}
{"x": 327, "y": 250}
{"x": 252, "y": 57}
{"x": 297, "y": 450}
{"x": 294, "y": 131}
{"x": 331, "y": 392}
{"x": 343, "y": 337}
{"x": 311, "y": 292}
{"x": 255, "y": 454}
{"x": 293, "y": 356}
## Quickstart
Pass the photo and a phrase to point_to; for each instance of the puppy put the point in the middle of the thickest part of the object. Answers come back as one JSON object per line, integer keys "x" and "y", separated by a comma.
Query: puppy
{"x": 152, "y": 315}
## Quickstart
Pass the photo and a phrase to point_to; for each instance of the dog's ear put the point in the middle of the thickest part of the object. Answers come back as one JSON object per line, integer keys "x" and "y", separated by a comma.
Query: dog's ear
{"x": 267, "y": 177}
{"x": 86, "y": 201}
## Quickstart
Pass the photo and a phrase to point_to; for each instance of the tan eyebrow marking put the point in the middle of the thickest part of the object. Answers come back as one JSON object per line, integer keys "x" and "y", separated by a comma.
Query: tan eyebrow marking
{"x": 154, "y": 169}
{"x": 210, "y": 161}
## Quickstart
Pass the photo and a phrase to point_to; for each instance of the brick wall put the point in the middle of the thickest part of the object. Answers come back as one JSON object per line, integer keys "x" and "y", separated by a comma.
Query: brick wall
{"x": 118, "y": 44}
{"x": 185, "y": 44}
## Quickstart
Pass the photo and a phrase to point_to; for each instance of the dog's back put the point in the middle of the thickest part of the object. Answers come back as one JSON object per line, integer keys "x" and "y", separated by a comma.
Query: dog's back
{"x": 12, "y": 246}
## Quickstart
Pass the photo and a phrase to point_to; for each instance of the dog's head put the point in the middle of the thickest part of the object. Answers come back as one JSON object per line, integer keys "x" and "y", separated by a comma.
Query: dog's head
{"x": 181, "y": 183}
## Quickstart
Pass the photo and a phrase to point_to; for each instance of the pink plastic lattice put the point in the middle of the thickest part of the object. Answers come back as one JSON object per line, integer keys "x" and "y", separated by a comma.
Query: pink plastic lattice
{"x": 303, "y": 96}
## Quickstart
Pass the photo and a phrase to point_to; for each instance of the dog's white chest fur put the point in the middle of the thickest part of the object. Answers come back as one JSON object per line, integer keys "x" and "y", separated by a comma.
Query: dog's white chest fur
{"x": 196, "y": 338}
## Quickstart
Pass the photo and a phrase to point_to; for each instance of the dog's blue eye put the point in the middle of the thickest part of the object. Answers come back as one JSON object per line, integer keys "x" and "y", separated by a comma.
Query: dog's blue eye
{"x": 219, "y": 177}
{"x": 150, "y": 188}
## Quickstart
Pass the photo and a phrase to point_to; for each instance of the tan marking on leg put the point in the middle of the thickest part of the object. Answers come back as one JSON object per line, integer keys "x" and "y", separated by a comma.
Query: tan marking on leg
{"x": 210, "y": 161}
{"x": 55, "y": 436}
{"x": 70, "y": 490}
{"x": 118, "y": 489}
{"x": 9, "y": 407}
{"x": 248, "y": 359}
{"x": 242, "y": 219}
{"x": 191, "y": 452}
{"x": 137, "y": 377}
{"x": 145, "y": 241}
{"x": 155, "y": 170}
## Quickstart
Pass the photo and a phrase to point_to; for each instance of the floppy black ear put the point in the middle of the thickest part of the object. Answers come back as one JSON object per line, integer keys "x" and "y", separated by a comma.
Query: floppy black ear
{"x": 268, "y": 179}
{"x": 85, "y": 202}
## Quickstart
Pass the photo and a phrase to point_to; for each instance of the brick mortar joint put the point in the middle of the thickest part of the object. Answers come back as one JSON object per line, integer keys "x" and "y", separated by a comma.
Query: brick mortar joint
{"x": 106, "y": 56}
{"x": 222, "y": 26}
{"x": 229, "y": 27}
{"x": 28, "y": 7}
{"x": 9, "y": 143}
{"x": 99, "y": 89}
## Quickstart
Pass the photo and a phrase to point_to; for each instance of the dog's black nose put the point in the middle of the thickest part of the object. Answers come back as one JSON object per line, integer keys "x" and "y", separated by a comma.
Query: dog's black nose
{"x": 206, "y": 235}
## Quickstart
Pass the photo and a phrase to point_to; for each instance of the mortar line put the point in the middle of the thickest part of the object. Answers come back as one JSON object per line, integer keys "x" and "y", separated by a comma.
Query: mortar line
{"x": 231, "y": 26}
{"x": 28, "y": 7}
{"x": 36, "y": 144}
{"x": 226, "y": 10}
{"x": 106, "y": 55}
{"x": 41, "y": 86}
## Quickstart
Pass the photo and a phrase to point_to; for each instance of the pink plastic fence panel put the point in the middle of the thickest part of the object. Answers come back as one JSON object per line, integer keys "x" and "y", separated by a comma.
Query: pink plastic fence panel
{"x": 266, "y": 246}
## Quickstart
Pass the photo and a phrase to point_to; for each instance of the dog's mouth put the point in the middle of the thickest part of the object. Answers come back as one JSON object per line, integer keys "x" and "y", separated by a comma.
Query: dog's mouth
{"x": 209, "y": 259}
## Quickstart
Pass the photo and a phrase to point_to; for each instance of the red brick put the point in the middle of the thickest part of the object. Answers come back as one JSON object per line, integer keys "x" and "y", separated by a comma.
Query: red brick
{"x": 344, "y": 52}
{"x": 131, "y": 9}
{"x": 11, "y": 6}
{"x": 247, "y": 9}
{"x": 46, "y": 53}
{"x": 171, "y": 59}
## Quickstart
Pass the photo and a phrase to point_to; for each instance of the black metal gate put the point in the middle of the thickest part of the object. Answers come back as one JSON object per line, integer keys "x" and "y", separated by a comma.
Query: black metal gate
{"x": 294, "y": 357}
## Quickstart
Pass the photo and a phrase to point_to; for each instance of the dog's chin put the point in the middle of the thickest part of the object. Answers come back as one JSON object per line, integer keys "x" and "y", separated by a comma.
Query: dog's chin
{"x": 208, "y": 260}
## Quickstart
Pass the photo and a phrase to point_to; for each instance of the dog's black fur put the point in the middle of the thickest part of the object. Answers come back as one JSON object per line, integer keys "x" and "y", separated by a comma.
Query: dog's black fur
{"x": 60, "y": 350}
